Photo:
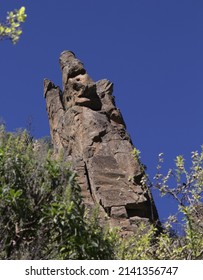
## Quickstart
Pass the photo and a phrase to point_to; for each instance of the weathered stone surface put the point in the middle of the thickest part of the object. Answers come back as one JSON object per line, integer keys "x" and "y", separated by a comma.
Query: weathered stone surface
{"x": 197, "y": 218}
{"x": 88, "y": 128}
{"x": 118, "y": 212}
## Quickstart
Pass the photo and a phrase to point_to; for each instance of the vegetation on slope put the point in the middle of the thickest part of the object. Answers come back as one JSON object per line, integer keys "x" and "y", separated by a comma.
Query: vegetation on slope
{"x": 41, "y": 211}
{"x": 42, "y": 215}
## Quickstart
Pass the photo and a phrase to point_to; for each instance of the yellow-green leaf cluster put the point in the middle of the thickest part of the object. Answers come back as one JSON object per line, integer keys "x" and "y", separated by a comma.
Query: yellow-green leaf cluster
{"x": 11, "y": 29}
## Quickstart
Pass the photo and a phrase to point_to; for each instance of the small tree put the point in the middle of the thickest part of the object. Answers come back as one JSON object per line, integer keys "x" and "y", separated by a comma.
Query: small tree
{"x": 186, "y": 187}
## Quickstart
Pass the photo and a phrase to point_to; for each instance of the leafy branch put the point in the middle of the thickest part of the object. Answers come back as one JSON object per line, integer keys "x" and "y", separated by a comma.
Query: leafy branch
{"x": 11, "y": 29}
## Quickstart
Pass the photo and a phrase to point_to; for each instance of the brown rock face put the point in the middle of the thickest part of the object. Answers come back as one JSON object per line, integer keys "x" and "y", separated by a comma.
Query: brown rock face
{"x": 88, "y": 128}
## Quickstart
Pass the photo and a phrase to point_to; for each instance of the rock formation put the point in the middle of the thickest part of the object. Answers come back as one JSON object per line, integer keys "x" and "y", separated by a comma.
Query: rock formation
{"x": 90, "y": 131}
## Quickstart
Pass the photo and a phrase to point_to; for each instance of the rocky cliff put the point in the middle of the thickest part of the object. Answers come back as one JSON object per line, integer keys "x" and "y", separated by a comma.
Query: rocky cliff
{"x": 88, "y": 128}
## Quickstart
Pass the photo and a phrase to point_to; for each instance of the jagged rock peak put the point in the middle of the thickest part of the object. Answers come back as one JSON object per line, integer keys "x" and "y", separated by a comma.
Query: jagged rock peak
{"x": 89, "y": 129}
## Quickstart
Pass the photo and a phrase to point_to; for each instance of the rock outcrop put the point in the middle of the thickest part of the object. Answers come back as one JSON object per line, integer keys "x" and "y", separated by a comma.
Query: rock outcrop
{"x": 89, "y": 129}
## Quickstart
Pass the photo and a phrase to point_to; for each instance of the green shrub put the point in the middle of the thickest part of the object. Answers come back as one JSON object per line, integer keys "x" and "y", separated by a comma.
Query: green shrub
{"x": 186, "y": 188}
{"x": 42, "y": 215}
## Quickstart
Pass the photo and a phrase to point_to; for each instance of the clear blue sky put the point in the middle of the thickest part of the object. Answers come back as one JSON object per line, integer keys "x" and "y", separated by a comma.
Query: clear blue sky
{"x": 151, "y": 49}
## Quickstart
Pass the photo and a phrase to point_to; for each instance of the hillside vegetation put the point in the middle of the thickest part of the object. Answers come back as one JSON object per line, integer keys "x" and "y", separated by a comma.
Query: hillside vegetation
{"x": 42, "y": 215}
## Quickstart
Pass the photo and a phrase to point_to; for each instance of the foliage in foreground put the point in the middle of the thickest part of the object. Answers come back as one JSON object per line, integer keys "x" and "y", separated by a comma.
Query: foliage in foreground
{"x": 41, "y": 210}
{"x": 11, "y": 28}
{"x": 186, "y": 187}
{"x": 42, "y": 215}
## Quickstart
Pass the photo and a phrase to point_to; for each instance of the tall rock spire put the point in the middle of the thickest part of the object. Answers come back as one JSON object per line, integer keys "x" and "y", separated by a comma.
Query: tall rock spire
{"x": 89, "y": 129}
